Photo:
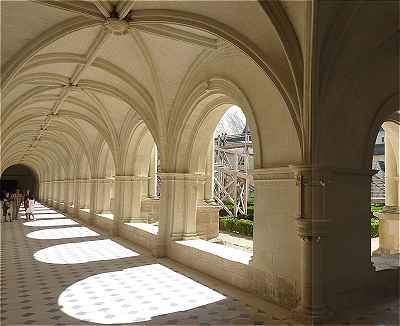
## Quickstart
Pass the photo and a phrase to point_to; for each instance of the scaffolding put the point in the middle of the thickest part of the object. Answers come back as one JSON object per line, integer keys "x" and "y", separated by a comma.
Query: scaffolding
{"x": 232, "y": 182}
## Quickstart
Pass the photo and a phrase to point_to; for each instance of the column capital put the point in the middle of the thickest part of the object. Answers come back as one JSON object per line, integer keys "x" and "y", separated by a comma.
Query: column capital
{"x": 312, "y": 228}
{"x": 128, "y": 178}
{"x": 81, "y": 180}
{"x": 176, "y": 176}
{"x": 97, "y": 179}
{"x": 272, "y": 174}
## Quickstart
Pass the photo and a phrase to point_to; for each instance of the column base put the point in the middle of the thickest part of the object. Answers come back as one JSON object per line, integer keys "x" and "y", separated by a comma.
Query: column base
{"x": 114, "y": 231}
{"x": 159, "y": 251}
{"x": 313, "y": 315}
{"x": 385, "y": 252}
{"x": 133, "y": 220}
{"x": 190, "y": 236}
{"x": 389, "y": 232}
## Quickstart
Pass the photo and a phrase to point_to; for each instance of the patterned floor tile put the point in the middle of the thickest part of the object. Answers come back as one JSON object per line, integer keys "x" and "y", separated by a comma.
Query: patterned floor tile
{"x": 60, "y": 273}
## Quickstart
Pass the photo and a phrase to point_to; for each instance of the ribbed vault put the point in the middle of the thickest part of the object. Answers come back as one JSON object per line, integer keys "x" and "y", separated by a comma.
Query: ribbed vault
{"x": 77, "y": 72}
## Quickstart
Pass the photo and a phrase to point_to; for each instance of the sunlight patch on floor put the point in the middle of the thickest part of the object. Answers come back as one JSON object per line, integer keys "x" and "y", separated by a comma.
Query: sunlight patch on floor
{"x": 55, "y": 222}
{"x": 219, "y": 250}
{"x": 134, "y": 295}
{"x": 153, "y": 229}
{"x": 83, "y": 252}
{"x": 39, "y": 216}
{"x": 62, "y": 233}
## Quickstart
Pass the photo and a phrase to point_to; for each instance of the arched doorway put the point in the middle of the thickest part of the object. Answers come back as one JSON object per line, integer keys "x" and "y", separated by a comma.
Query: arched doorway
{"x": 233, "y": 184}
{"x": 19, "y": 176}
{"x": 386, "y": 248}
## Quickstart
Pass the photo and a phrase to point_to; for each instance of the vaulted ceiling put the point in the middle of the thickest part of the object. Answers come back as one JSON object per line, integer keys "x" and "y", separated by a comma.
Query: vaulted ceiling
{"x": 75, "y": 72}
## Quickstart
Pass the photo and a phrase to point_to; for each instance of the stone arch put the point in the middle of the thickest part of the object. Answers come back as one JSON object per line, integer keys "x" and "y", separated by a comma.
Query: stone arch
{"x": 204, "y": 108}
{"x": 387, "y": 112}
{"x": 25, "y": 175}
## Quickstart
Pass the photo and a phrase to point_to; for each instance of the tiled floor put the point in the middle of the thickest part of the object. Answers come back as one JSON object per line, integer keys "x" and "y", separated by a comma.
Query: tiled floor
{"x": 55, "y": 271}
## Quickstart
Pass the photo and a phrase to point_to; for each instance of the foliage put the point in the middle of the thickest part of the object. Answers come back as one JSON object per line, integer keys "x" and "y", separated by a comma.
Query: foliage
{"x": 374, "y": 230}
{"x": 236, "y": 225}
{"x": 376, "y": 208}
{"x": 250, "y": 210}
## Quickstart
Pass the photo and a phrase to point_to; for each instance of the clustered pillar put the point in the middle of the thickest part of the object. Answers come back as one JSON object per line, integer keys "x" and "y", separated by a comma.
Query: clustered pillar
{"x": 153, "y": 192}
{"x": 312, "y": 228}
{"x": 179, "y": 199}
{"x": 389, "y": 228}
{"x": 129, "y": 192}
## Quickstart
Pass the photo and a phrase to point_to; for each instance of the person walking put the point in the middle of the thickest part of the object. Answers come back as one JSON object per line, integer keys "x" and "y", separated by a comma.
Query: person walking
{"x": 6, "y": 207}
{"x": 29, "y": 207}
{"x": 17, "y": 199}
{"x": 26, "y": 203}
{"x": 2, "y": 195}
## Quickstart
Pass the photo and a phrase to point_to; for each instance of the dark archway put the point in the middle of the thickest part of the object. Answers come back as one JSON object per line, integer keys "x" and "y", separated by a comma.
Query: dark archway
{"x": 19, "y": 176}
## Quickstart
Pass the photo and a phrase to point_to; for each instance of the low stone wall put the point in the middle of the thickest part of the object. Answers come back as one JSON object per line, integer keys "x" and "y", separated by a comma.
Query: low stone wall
{"x": 142, "y": 238}
{"x": 207, "y": 217}
{"x": 240, "y": 273}
{"x": 150, "y": 210}
{"x": 103, "y": 223}
{"x": 244, "y": 276}
{"x": 84, "y": 215}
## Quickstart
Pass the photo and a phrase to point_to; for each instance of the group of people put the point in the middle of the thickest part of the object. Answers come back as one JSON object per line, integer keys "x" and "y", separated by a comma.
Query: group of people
{"x": 12, "y": 203}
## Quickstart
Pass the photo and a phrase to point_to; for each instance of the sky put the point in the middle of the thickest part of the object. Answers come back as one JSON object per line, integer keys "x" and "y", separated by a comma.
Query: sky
{"x": 232, "y": 122}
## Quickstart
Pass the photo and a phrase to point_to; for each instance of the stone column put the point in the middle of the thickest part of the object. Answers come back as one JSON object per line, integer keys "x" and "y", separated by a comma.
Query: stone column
{"x": 389, "y": 226}
{"x": 136, "y": 188}
{"x": 57, "y": 195}
{"x": 48, "y": 192}
{"x": 52, "y": 192}
{"x": 48, "y": 196}
{"x": 178, "y": 205}
{"x": 87, "y": 187}
{"x": 66, "y": 185}
{"x": 93, "y": 183}
{"x": 45, "y": 192}
{"x": 152, "y": 183}
{"x": 129, "y": 192}
{"x": 107, "y": 193}
{"x": 312, "y": 228}
{"x": 117, "y": 205}
{"x": 110, "y": 192}
{"x": 77, "y": 196}
{"x": 41, "y": 192}
{"x": 209, "y": 182}
{"x": 71, "y": 195}
{"x": 100, "y": 198}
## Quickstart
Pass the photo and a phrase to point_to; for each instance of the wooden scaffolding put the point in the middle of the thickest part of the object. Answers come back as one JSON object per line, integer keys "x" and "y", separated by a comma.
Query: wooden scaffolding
{"x": 232, "y": 182}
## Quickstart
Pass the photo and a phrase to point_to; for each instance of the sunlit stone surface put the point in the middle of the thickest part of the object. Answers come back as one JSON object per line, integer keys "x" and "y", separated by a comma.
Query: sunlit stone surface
{"x": 56, "y": 222}
{"x": 134, "y": 295}
{"x": 62, "y": 233}
{"x": 48, "y": 215}
{"x": 222, "y": 251}
{"x": 83, "y": 252}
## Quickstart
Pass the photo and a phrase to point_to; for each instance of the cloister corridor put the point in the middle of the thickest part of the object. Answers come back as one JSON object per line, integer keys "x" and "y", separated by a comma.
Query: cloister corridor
{"x": 56, "y": 271}
{"x": 109, "y": 124}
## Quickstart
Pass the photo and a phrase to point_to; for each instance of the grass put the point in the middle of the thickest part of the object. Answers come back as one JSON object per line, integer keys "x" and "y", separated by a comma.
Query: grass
{"x": 243, "y": 224}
